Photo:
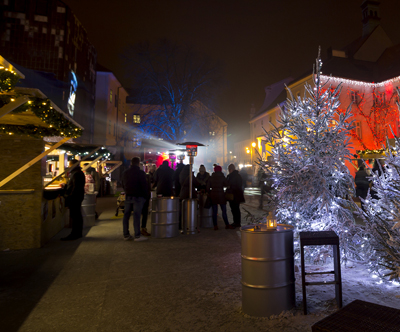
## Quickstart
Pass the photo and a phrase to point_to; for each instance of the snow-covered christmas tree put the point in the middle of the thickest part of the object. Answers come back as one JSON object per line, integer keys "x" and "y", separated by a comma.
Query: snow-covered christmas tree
{"x": 382, "y": 216}
{"x": 310, "y": 148}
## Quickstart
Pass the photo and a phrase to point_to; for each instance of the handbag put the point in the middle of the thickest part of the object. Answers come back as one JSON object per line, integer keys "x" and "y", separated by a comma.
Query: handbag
{"x": 229, "y": 195}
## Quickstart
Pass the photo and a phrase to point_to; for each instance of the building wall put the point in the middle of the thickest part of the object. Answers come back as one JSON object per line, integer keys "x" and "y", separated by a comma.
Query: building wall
{"x": 21, "y": 214}
{"x": 110, "y": 110}
{"x": 46, "y": 36}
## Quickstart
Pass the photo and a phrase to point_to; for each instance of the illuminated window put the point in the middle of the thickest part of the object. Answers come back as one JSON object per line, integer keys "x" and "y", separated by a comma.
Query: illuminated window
{"x": 111, "y": 96}
{"x": 357, "y": 125}
{"x": 212, "y": 133}
{"x": 136, "y": 118}
{"x": 125, "y": 117}
{"x": 354, "y": 96}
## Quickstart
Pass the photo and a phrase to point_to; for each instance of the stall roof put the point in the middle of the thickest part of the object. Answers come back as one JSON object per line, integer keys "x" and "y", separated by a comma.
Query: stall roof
{"x": 28, "y": 117}
{"x": 83, "y": 148}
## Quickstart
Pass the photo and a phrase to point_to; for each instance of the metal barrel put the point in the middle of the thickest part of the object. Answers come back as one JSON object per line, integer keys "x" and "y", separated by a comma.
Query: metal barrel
{"x": 89, "y": 210}
{"x": 189, "y": 216}
{"x": 268, "y": 282}
{"x": 164, "y": 217}
{"x": 204, "y": 215}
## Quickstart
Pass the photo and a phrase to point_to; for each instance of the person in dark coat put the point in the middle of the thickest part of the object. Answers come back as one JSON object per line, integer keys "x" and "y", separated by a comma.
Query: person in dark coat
{"x": 136, "y": 191}
{"x": 202, "y": 177}
{"x": 215, "y": 188}
{"x": 184, "y": 181}
{"x": 163, "y": 180}
{"x": 362, "y": 183}
{"x": 235, "y": 186}
{"x": 74, "y": 195}
{"x": 243, "y": 175}
{"x": 177, "y": 184}
{"x": 145, "y": 211}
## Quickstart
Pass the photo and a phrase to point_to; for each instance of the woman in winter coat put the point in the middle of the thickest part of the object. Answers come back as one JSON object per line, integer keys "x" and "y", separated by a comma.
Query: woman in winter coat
{"x": 215, "y": 188}
{"x": 202, "y": 177}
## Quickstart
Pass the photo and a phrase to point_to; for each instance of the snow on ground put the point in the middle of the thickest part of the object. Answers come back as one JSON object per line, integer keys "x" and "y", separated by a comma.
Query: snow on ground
{"x": 357, "y": 283}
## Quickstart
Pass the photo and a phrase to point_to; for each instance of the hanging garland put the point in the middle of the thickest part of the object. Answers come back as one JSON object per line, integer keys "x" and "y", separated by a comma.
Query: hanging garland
{"x": 8, "y": 80}
{"x": 58, "y": 124}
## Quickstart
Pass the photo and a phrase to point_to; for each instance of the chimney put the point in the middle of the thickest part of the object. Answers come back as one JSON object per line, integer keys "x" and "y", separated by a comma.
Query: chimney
{"x": 370, "y": 16}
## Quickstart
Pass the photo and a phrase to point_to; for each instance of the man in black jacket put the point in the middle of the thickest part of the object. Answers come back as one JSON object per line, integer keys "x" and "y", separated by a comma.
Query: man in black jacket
{"x": 74, "y": 195}
{"x": 136, "y": 191}
{"x": 163, "y": 180}
{"x": 235, "y": 185}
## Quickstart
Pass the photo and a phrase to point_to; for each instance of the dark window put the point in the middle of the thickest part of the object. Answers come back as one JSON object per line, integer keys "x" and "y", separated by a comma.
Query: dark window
{"x": 19, "y": 5}
{"x": 41, "y": 7}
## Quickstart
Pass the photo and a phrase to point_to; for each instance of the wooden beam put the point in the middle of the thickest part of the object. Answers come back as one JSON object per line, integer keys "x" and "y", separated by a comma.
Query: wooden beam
{"x": 118, "y": 163}
{"x": 33, "y": 161}
{"x": 88, "y": 165}
{"x": 13, "y": 105}
{"x": 69, "y": 169}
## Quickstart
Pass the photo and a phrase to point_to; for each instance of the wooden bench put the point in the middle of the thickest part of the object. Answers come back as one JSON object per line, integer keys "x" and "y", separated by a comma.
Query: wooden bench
{"x": 361, "y": 316}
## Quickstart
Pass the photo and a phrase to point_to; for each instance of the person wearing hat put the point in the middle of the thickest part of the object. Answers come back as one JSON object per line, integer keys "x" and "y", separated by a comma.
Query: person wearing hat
{"x": 215, "y": 188}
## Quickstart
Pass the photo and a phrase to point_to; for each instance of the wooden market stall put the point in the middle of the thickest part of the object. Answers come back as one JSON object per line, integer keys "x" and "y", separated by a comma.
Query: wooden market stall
{"x": 29, "y": 215}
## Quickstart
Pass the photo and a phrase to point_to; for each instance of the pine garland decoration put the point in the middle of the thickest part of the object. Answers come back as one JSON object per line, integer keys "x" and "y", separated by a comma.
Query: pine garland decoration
{"x": 59, "y": 125}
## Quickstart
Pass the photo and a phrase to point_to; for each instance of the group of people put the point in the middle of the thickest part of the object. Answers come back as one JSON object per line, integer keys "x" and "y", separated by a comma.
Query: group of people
{"x": 168, "y": 182}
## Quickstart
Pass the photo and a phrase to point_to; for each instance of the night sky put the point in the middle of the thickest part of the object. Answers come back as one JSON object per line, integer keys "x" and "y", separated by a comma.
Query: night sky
{"x": 259, "y": 42}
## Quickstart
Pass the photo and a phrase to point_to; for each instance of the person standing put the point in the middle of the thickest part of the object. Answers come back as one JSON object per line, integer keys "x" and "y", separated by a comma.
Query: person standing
{"x": 362, "y": 184}
{"x": 145, "y": 211}
{"x": 177, "y": 184}
{"x": 184, "y": 178}
{"x": 244, "y": 176}
{"x": 163, "y": 180}
{"x": 215, "y": 188}
{"x": 136, "y": 191}
{"x": 202, "y": 177}
{"x": 235, "y": 184}
{"x": 74, "y": 195}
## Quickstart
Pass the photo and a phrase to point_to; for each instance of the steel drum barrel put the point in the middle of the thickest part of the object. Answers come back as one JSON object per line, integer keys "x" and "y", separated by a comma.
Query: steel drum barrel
{"x": 164, "y": 217}
{"x": 89, "y": 210}
{"x": 268, "y": 282}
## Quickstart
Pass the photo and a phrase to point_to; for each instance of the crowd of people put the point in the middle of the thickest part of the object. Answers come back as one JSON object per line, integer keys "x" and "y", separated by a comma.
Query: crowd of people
{"x": 167, "y": 182}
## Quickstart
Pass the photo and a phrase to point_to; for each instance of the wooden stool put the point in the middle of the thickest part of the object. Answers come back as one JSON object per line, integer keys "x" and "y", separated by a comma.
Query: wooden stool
{"x": 321, "y": 239}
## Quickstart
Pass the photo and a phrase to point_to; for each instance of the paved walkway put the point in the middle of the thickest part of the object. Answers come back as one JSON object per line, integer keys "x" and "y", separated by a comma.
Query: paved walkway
{"x": 102, "y": 283}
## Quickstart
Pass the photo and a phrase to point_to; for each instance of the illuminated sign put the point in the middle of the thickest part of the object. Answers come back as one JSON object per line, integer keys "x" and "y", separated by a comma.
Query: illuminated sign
{"x": 72, "y": 94}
